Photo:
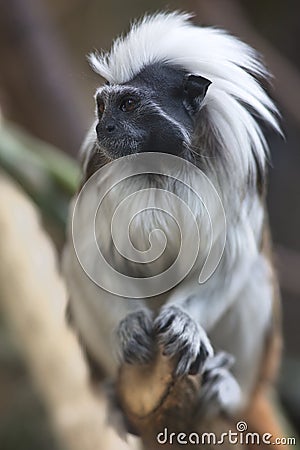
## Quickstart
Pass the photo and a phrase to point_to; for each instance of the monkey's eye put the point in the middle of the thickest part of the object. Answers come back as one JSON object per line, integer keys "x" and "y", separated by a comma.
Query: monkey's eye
{"x": 127, "y": 105}
{"x": 101, "y": 107}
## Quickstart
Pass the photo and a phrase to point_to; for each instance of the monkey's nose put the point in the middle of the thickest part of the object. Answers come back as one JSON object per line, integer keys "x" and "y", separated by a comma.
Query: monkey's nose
{"x": 110, "y": 127}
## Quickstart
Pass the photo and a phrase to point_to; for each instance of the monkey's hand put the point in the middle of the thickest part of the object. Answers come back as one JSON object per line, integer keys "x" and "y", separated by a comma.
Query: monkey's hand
{"x": 135, "y": 335}
{"x": 179, "y": 335}
{"x": 220, "y": 391}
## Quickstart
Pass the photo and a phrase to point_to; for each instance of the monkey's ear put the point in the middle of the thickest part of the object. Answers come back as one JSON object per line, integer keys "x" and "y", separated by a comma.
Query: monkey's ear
{"x": 195, "y": 88}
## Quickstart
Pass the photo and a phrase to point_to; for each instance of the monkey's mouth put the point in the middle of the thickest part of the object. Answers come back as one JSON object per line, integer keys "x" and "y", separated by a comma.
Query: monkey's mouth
{"x": 115, "y": 148}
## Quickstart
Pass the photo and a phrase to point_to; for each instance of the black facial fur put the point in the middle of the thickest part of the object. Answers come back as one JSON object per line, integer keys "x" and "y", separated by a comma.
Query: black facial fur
{"x": 154, "y": 112}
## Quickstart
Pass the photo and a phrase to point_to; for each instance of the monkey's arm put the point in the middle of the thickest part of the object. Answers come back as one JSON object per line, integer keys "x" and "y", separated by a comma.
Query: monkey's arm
{"x": 237, "y": 324}
{"x": 207, "y": 303}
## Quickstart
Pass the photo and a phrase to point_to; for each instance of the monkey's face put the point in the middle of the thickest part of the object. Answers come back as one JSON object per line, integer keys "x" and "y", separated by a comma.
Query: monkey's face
{"x": 154, "y": 112}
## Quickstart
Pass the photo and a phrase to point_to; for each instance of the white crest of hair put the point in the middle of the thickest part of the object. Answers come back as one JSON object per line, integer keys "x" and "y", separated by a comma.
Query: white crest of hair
{"x": 226, "y": 61}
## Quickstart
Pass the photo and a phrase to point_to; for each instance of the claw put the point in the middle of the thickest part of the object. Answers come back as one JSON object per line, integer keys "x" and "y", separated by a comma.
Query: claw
{"x": 180, "y": 336}
{"x": 135, "y": 334}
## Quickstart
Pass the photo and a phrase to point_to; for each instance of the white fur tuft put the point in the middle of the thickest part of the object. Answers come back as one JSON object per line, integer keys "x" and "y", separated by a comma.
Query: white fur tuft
{"x": 214, "y": 54}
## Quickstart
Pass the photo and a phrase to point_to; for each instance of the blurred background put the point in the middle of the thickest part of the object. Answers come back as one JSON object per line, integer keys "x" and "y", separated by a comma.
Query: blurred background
{"x": 46, "y": 100}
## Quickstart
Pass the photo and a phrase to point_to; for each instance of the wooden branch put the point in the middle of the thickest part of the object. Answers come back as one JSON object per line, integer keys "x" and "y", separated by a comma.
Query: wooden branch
{"x": 154, "y": 401}
{"x": 33, "y": 298}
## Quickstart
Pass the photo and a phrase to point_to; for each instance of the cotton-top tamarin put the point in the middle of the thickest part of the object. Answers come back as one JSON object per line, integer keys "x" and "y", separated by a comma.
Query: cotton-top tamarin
{"x": 175, "y": 91}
